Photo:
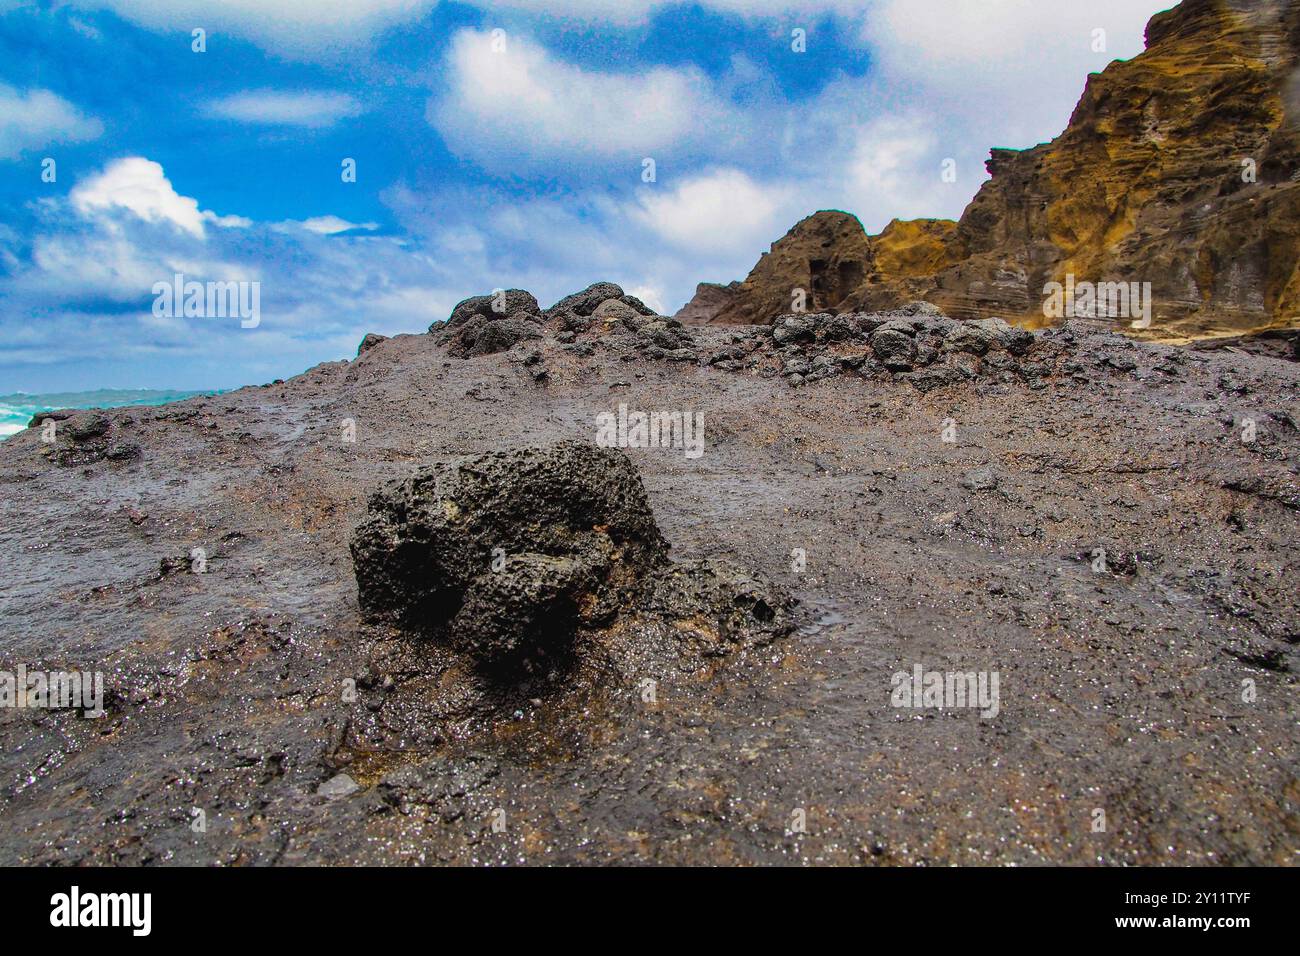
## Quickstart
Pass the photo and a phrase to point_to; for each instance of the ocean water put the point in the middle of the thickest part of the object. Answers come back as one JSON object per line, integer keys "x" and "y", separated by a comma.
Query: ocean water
{"x": 17, "y": 410}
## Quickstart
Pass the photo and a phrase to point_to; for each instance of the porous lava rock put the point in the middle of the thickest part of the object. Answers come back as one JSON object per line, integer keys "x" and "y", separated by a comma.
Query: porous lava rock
{"x": 485, "y": 324}
{"x": 509, "y": 556}
{"x": 517, "y": 545}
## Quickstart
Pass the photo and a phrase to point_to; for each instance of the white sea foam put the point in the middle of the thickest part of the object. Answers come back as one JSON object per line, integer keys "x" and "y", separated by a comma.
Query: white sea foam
{"x": 16, "y": 410}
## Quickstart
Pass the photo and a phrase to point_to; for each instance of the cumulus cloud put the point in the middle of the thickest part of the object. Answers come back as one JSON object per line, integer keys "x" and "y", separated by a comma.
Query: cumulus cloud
{"x": 508, "y": 103}
{"x": 310, "y": 29}
{"x": 139, "y": 187}
{"x": 312, "y": 110}
{"x": 632, "y": 12}
{"x": 36, "y": 118}
{"x": 96, "y": 266}
{"x": 87, "y": 264}
{"x": 720, "y": 211}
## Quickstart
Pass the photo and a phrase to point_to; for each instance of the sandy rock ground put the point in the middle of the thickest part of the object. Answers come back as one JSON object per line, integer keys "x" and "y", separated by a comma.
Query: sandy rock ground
{"x": 251, "y": 697}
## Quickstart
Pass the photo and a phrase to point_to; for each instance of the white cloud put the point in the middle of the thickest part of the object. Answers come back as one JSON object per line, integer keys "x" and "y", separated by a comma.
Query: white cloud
{"x": 130, "y": 229}
{"x": 632, "y": 12}
{"x": 514, "y": 106}
{"x": 89, "y": 262}
{"x": 879, "y": 164}
{"x": 140, "y": 187}
{"x": 310, "y": 28}
{"x": 37, "y": 118}
{"x": 332, "y": 225}
{"x": 327, "y": 225}
{"x": 1010, "y": 71}
{"x": 226, "y": 222}
{"x": 719, "y": 211}
{"x": 304, "y": 28}
{"x": 313, "y": 110}
{"x": 121, "y": 266}
{"x": 651, "y": 295}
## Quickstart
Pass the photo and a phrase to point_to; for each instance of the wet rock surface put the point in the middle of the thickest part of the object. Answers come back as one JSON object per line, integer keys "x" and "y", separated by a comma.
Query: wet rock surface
{"x": 1110, "y": 526}
{"x": 548, "y": 560}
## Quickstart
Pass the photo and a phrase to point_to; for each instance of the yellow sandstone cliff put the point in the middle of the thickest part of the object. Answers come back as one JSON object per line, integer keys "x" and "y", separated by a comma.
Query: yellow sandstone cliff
{"x": 1180, "y": 167}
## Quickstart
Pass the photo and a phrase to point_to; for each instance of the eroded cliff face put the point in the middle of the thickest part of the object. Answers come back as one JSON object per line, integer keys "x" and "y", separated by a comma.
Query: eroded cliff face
{"x": 823, "y": 260}
{"x": 1180, "y": 167}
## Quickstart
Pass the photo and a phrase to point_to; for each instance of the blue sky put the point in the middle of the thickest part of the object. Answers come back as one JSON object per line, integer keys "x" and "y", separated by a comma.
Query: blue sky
{"x": 496, "y": 145}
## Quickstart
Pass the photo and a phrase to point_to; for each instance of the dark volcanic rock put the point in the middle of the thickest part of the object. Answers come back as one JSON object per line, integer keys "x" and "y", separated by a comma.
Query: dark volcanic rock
{"x": 496, "y": 305}
{"x": 616, "y": 311}
{"x": 916, "y": 344}
{"x": 84, "y": 438}
{"x": 741, "y": 610}
{"x": 588, "y": 300}
{"x": 509, "y": 555}
{"x": 499, "y": 336}
{"x": 58, "y": 415}
{"x": 981, "y": 335}
{"x": 561, "y": 535}
{"x": 84, "y": 427}
{"x": 894, "y": 348}
{"x": 486, "y": 324}
{"x": 370, "y": 341}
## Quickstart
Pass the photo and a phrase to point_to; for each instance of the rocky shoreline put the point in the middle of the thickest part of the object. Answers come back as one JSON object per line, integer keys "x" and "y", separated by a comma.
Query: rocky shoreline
{"x": 291, "y": 592}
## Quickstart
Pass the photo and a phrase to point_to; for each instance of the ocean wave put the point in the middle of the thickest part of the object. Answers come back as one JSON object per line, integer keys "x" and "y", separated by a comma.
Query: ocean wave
{"x": 17, "y": 409}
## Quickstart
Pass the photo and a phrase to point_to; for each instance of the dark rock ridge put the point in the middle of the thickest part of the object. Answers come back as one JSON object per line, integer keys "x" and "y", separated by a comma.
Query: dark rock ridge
{"x": 1180, "y": 167}
{"x": 491, "y": 323}
{"x": 486, "y": 324}
{"x": 509, "y": 555}
{"x": 917, "y": 344}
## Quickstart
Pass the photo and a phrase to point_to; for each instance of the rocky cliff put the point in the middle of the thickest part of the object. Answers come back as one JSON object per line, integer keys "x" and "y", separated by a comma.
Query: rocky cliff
{"x": 1180, "y": 167}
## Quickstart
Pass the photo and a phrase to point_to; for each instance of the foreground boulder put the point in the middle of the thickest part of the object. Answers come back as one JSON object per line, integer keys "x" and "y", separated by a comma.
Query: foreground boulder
{"x": 515, "y": 546}
{"x": 509, "y": 556}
